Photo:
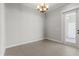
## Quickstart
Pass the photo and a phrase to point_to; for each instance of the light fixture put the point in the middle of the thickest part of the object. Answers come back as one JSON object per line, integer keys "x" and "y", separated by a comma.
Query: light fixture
{"x": 42, "y": 7}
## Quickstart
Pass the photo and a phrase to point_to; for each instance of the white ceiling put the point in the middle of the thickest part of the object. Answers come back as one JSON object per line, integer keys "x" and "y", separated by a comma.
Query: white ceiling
{"x": 51, "y": 5}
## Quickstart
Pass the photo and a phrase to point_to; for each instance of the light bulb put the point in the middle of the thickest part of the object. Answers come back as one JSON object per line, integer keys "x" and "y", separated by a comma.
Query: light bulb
{"x": 42, "y": 7}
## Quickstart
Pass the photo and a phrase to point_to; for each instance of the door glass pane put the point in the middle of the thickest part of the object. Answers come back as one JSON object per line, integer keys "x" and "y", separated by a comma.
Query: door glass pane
{"x": 70, "y": 27}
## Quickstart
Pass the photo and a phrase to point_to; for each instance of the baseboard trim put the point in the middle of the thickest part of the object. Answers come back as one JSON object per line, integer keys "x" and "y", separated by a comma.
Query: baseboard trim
{"x": 4, "y": 52}
{"x": 24, "y": 43}
{"x": 61, "y": 42}
{"x": 54, "y": 40}
{"x": 49, "y": 38}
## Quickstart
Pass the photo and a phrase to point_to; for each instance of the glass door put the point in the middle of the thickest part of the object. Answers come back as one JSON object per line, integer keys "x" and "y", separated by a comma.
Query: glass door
{"x": 70, "y": 26}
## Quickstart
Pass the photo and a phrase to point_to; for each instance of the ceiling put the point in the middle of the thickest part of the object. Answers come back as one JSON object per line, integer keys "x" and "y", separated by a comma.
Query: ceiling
{"x": 51, "y": 5}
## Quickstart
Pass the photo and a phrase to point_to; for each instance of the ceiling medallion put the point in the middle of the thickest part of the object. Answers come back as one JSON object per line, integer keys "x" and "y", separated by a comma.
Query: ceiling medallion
{"x": 42, "y": 7}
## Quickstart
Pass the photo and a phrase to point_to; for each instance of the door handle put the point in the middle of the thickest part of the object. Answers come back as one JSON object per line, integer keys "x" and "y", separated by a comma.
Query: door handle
{"x": 77, "y": 31}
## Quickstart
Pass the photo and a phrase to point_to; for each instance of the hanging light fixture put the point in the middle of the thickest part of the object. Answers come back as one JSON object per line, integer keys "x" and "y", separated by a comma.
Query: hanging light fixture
{"x": 42, "y": 7}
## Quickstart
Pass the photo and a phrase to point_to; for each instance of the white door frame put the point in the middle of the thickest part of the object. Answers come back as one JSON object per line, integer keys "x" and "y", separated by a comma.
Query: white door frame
{"x": 63, "y": 28}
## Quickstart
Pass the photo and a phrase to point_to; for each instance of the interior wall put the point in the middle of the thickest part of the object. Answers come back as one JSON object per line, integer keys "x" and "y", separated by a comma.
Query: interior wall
{"x": 54, "y": 30}
{"x": 53, "y": 25}
{"x": 22, "y": 24}
{"x": 2, "y": 29}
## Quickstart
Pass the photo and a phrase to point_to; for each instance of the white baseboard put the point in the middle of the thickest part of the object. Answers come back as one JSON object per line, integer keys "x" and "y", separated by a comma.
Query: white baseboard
{"x": 35, "y": 40}
{"x": 49, "y": 38}
{"x": 61, "y": 42}
{"x": 54, "y": 40}
{"x": 2, "y": 52}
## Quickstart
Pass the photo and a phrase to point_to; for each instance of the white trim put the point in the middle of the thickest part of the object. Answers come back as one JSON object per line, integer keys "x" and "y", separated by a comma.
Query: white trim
{"x": 70, "y": 7}
{"x": 2, "y": 29}
{"x": 49, "y": 38}
{"x": 3, "y": 54}
{"x": 61, "y": 42}
{"x": 67, "y": 10}
{"x": 24, "y": 43}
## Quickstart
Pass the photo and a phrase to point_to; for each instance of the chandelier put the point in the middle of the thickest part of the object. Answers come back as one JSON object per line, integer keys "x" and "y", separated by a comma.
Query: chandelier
{"x": 42, "y": 7}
